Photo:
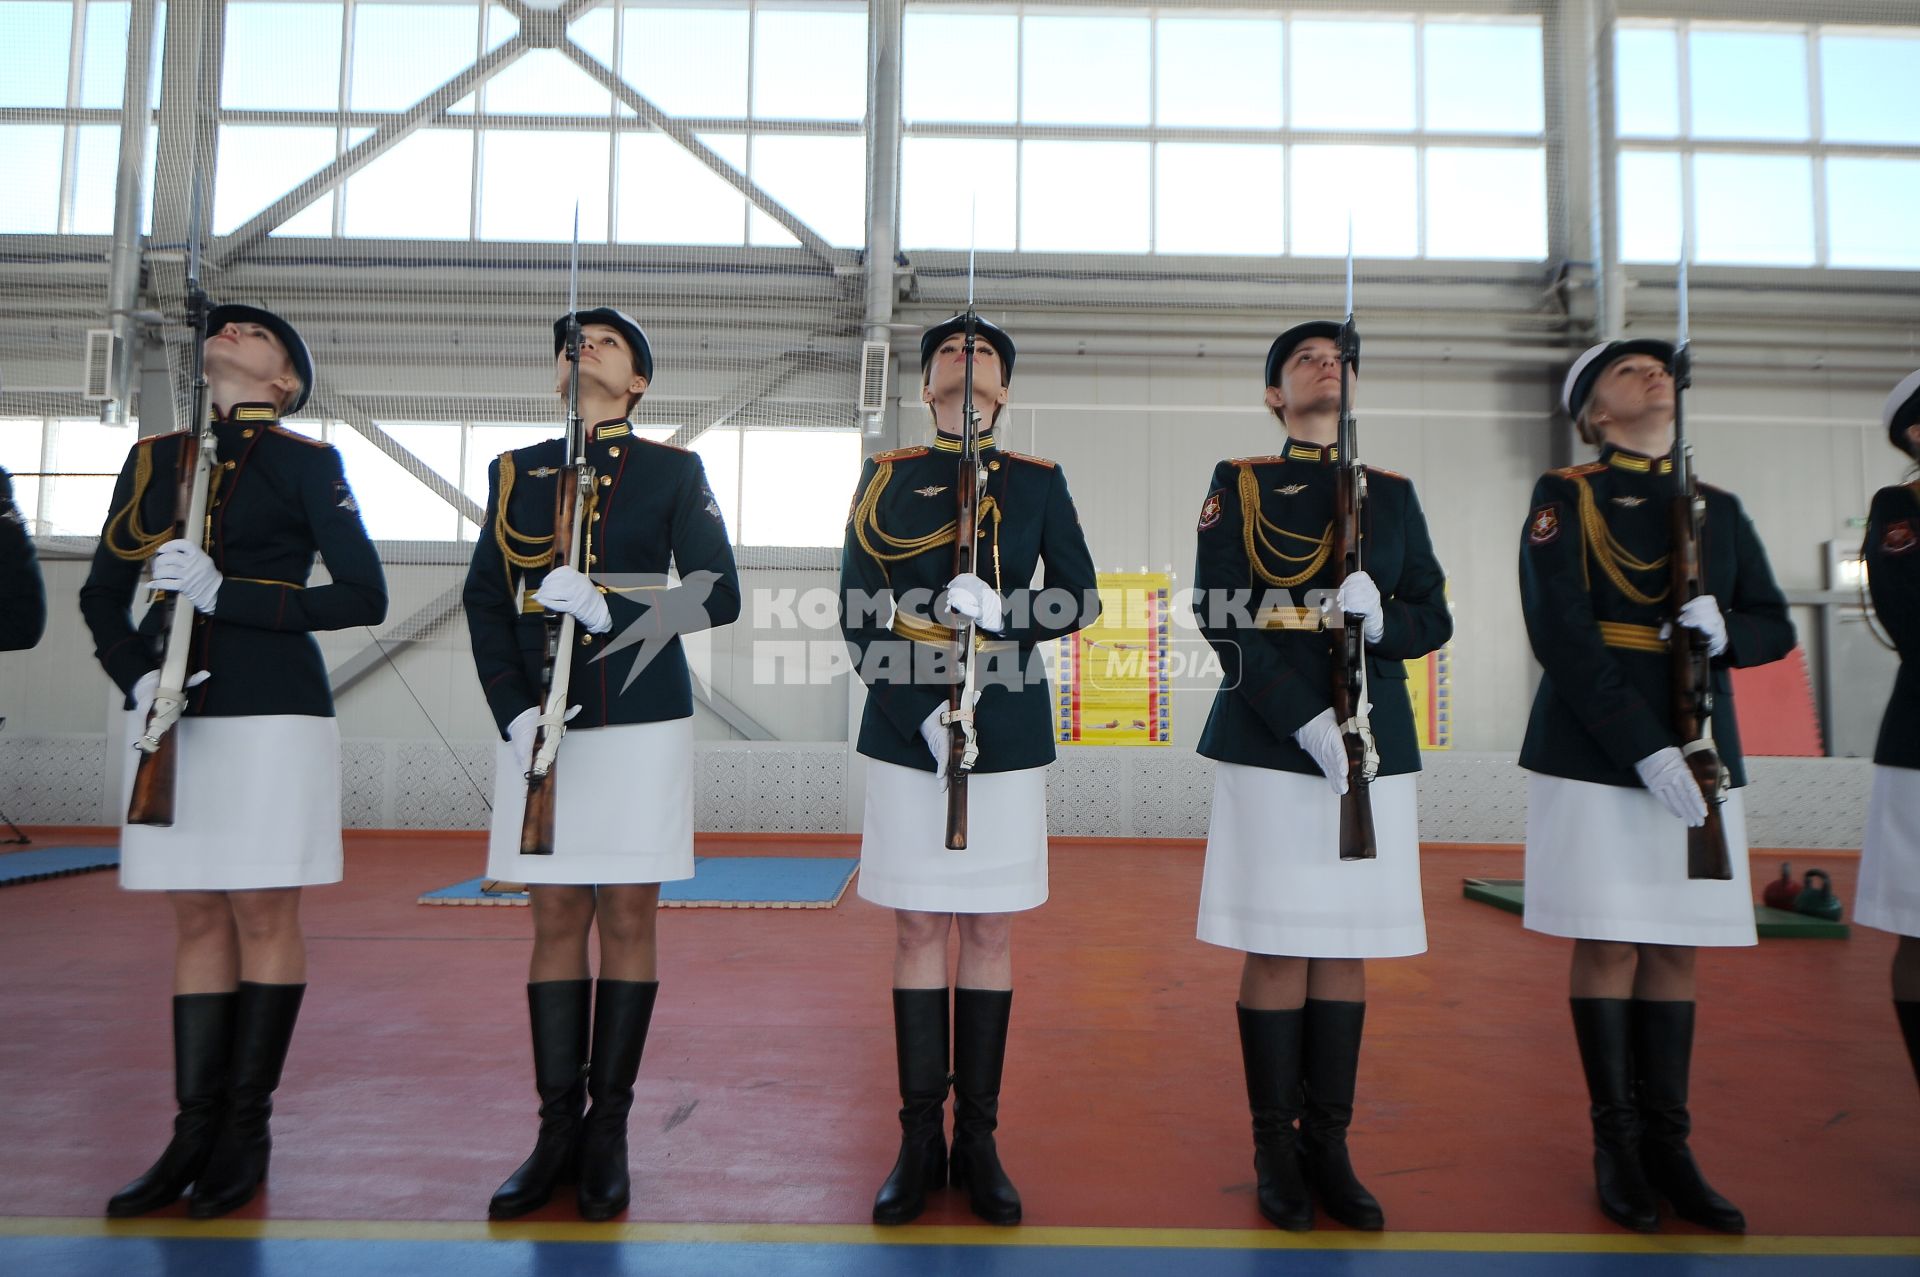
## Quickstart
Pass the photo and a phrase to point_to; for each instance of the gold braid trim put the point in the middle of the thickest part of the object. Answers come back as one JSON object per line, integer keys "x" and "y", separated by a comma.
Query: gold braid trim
{"x": 144, "y": 543}
{"x": 503, "y": 532}
{"x": 1254, "y": 527}
{"x": 1610, "y": 554}
{"x": 865, "y": 519}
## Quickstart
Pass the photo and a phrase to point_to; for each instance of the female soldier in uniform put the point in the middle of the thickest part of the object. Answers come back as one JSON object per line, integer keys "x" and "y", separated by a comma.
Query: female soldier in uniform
{"x": 1274, "y": 886}
{"x": 257, "y": 793}
{"x": 1890, "y": 860}
{"x": 624, "y": 773}
{"x": 900, "y": 543}
{"x": 23, "y": 599}
{"x": 1610, "y": 797}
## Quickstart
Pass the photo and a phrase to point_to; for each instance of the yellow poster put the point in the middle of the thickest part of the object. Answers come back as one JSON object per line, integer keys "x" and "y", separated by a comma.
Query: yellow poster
{"x": 1113, "y": 678}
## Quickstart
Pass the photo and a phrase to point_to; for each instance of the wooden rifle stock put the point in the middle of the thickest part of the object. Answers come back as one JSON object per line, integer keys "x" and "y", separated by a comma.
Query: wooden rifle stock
{"x": 536, "y": 820}
{"x": 151, "y": 802}
{"x": 1692, "y": 683}
{"x": 1357, "y": 840}
{"x": 960, "y": 736}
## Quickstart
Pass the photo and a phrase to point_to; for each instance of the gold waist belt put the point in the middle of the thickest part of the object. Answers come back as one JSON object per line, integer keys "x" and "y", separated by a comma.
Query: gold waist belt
{"x": 919, "y": 631}
{"x": 1634, "y": 638}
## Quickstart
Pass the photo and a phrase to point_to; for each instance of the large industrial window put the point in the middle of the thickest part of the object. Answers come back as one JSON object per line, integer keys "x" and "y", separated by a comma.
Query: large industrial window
{"x": 1773, "y": 145}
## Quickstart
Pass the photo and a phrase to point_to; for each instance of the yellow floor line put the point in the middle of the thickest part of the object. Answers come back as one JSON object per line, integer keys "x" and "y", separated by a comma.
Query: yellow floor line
{"x": 957, "y": 1235}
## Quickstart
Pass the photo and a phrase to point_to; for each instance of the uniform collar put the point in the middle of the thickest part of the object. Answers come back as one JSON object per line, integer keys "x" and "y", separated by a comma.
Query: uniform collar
{"x": 1621, "y": 459}
{"x": 616, "y": 428}
{"x": 1297, "y": 451}
{"x": 253, "y": 412}
{"x": 948, "y": 443}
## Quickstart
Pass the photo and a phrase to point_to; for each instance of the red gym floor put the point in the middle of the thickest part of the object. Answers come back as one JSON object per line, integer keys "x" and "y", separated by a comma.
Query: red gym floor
{"x": 767, "y": 1095}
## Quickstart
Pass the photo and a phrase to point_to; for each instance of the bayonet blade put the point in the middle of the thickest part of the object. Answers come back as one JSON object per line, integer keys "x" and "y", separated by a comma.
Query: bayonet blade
{"x": 973, "y": 241}
{"x": 573, "y": 266}
{"x": 1682, "y": 288}
{"x": 1349, "y": 265}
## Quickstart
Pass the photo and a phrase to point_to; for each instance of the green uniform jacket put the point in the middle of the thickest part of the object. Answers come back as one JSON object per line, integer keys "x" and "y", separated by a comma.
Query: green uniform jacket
{"x": 1604, "y": 700}
{"x": 651, "y": 507}
{"x": 23, "y": 598}
{"x": 1892, "y": 551}
{"x": 899, "y": 555}
{"x": 1278, "y": 676}
{"x": 278, "y": 498}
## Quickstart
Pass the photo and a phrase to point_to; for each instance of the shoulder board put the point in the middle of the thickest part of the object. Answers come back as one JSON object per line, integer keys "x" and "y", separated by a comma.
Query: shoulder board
{"x": 660, "y": 443}
{"x": 1574, "y": 472}
{"x": 1255, "y": 461}
{"x": 1387, "y": 474}
{"x": 171, "y": 434}
{"x": 1032, "y": 461}
{"x": 296, "y": 436}
{"x": 900, "y": 454}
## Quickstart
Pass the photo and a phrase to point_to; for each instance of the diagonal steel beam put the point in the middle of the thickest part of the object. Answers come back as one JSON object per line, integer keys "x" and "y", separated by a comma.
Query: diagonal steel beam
{"x": 683, "y": 135}
{"x": 401, "y": 635}
{"x": 731, "y": 714}
{"x": 755, "y": 386}
{"x": 341, "y": 408}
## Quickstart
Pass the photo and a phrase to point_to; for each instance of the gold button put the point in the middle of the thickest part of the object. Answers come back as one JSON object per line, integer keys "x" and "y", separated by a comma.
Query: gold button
{"x": 993, "y": 465}
{"x": 232, "y": 464}
{"x": 586, "y": 639}
{"x": 596, "y": 516}
{"x": 613, "y": 452}
{"x": 593, "y": 558}
{"x": 247, "y": 433}
{"x": 606, "y": 481}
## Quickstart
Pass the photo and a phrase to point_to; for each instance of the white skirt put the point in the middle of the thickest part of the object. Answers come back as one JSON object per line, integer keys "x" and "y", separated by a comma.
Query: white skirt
{"x": 1605, "y": 862}
{"x": 256, "y": 804}
{"x": 1274, "y": 882}
{"x": 625, "y": 810}
{"x": 1889, "y": 895}
{"x": 904, "y": 861}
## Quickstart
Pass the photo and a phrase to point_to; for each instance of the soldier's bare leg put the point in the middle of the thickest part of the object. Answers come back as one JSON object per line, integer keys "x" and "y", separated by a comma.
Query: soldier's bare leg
{"x": 920, "y": 949}
{"x": 1665, "y": 973}
{"x": 562, "y": 916}
{"x": 1272, "y": 982}
{"x": 206, "y": 954}
{"x": 629, "y": 947}
{"x": 1337, "y": 980}
{"x": 1603, "y": 969}
{"x": 986, "y": 951}
{"x": 272, "y": 948}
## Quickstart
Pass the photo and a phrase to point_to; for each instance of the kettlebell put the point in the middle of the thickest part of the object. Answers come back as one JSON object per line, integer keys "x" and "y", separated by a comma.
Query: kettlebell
{"x": 1783, "y": 891}
{"x": 1818, "y": 901}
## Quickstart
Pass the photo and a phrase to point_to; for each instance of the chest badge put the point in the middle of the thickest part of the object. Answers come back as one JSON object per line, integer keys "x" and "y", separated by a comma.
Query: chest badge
{"x": 544, "y": 472}
{"x": 1899, "y": 537}
{"x": 1292, "y": 489}
{"x": 931, "y": 490}
{"x": 1630, "y": 502}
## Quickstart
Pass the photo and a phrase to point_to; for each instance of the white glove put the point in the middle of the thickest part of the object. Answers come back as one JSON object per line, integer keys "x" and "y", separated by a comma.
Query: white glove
{"x": 939, "y": 737}
{"x": 520, "y": 735}
{"x": 1667, "y": 776}
{"x": 1703, "y": 614}
{"x": 184, "y": 568}
{"x": 148, "y": 684}
{"x": 1320, "y": 737}
{"x": 974, "y": 599}
{"x": 568, "y": 590}
{"x": 1359, "y": 596}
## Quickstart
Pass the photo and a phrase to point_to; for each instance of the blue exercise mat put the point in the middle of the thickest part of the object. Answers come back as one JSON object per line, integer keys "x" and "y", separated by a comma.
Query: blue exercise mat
{"x": 17, "y": 867}
{"x": 718, "y": 882}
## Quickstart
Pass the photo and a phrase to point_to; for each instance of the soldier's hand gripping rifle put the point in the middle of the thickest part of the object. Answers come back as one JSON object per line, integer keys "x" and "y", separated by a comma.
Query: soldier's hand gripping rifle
{"x": 1350, "y": 706}
{"x": 1690, "y": 662}
{"x": 963, "y": 745}
{"x": 151, "y": 802}
{"x": 571, "y": 496}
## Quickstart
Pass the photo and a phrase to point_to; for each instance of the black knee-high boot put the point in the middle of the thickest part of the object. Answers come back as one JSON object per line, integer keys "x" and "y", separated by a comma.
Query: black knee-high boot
{"x": 1909, "y": 1013}
{"x": 1330, "y": 1061}
{"x": 1663, "y": 1058}
{"x": 558, "y": 1012}
{"x": 920, "y": 1051}
{"x": 980, "y": 1019}
{"x": 622, "y": 1010}
{"x": 202, "y": 1042}
{"x": 1603, "y": 1028}
{"x": 1270, "y": 1050}
{"x": 263, "y": 1020}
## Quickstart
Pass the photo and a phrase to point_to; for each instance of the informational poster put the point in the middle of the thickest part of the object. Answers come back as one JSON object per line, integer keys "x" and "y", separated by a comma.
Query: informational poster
{"x": 1113, "y": 675}
{"x": 1430, "y": 688}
